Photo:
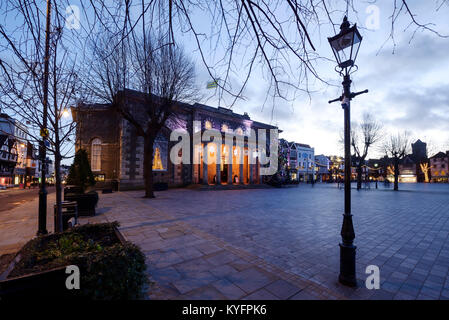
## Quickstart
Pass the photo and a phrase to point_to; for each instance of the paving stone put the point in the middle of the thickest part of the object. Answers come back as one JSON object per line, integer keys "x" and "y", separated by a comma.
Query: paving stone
{"x": 399, "y": 275}
{"x": 403, "y": 296}
{"x": 221, "y": 257}
{"x": 382, "y": 295}
{"x": 282, "y": 289}
{"x": 189, "y": 253}
{"x": 171, "y": 234}
{"x": 222, "y": 271}
{"x": 240, "y": 264}
{"x": 193, "y": 266}
{"x": 410, "y": 289}
{"x": 208, "y": 248}
{"x": 304, "y": 295}
{"x": 228, "y": 289}
{"x": 204, "y": 293}
{"x": 196, "y": 281}
{"x": 250, "y": 279}
{"x": 164, "y": 259}
{"x": 424, "y": 297}
{"x": 164, "y": 275}
{"x": 431, "y": 292}
{"x": 261, "y": 294}
{"x": 391, "y": 286}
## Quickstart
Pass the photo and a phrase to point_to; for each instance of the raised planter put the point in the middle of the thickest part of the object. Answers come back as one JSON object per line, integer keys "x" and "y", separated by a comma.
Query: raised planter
{"x": 52, "y": 283}
{"x": 72, "y": 190}
{"x": 86, "y": 202}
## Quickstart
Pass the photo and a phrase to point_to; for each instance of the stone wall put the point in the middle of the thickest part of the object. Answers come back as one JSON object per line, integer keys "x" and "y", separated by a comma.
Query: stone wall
{"x": 106, "y": 127}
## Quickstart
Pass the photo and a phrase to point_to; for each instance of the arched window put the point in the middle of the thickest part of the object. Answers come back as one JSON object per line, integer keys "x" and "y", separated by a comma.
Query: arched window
{"x": 95, "y": 162}
{"x": 157, "y": 161}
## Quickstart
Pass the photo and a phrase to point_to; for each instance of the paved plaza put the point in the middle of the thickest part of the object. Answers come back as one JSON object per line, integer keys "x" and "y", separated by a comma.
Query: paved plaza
{"x": 283, "y": 243}
{"x": 296, "y": 230}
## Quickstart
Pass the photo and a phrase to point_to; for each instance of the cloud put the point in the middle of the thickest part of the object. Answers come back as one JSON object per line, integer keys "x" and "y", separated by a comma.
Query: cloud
{"x": 420, "y": 109}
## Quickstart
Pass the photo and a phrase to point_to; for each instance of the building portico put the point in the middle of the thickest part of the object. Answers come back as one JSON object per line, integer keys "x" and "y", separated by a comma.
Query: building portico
{"x": 220, "y": 167}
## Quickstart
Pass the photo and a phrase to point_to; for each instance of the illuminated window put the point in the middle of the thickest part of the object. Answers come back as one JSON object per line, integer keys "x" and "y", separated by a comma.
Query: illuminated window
{"x": 224, "y": 128}
{"x": 157, "y": 161}
{"x": 239, "y": 131}
{"x": 99, "y": 177}
{"x": 208, "y": 125}
{"x": 211, "y": 151}
{"x": 96, "y": 155}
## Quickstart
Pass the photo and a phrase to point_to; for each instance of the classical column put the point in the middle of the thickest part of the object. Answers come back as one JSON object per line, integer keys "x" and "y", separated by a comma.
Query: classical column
{"x": 205, "y": 161}
{"x": 230, "y": 159}
{"x": 217, "y": 163}
{"x": 241, "y": 157}
{"x": 251, "y": 177}
{"x": 251, "y": 166}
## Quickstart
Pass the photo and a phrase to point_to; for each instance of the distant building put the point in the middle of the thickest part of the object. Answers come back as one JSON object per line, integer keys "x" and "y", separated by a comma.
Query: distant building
{"x": 407, "y": 170}
{"x": 336, "y": 167}
{"x": 8, "y": 151}
{"x": 377, "y": 169}
{"x": 64, "y": 170}
{"x": 33, "y": 167}
{"x": 419, "y": 156}
{"x": 300, "y": 160}
{"x": 419, "y": 151}
{"x": 306, "y": 162}
{"x": 322, "y": 164}
{"x": 439, "y": 167}
{"x": 293, "y": 161}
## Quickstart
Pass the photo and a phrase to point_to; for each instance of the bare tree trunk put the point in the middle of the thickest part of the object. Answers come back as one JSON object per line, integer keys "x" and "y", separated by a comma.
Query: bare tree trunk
{"x": 58, "y": 186}
{"x": 396, "y": 174}
{"x": 148, "y": 165}
{"x": 359, "y": 177}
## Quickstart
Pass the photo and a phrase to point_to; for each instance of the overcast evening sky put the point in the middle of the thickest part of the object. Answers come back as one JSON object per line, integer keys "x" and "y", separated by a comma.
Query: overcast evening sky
{"x": 408, "y": 86}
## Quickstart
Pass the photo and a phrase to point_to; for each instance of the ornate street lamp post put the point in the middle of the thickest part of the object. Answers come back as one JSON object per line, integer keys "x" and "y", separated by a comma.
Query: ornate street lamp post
{"x": 345, "y": 46}
{"x": 42, "y": 218}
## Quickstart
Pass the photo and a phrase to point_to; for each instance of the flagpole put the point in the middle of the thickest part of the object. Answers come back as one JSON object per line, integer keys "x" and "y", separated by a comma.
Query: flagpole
{"x": 219, "y": 95}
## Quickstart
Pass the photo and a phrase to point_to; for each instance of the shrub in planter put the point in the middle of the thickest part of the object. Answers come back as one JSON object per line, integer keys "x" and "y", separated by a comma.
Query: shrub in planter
{"x": 80, "y": 173}
{"x": 118, "y": 272}
{"x": 110, "y": 268}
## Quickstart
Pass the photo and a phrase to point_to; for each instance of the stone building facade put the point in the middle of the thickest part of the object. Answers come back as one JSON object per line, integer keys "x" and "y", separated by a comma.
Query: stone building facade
{"x": 439, "y": 167}
{"x": 115, "y": 150}
{"x": 306, "y": 162}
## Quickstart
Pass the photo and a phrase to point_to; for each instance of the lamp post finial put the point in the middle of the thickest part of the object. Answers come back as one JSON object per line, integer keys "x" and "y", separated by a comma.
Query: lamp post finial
{"x": 345, "y": 25}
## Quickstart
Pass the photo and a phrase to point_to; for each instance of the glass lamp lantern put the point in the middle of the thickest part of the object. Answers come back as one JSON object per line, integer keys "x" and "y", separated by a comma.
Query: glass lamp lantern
{"x": 345, "y": 45}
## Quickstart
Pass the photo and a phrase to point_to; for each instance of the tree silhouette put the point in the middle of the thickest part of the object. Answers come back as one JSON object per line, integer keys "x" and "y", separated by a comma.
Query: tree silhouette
{"x": 80, "y": 173}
